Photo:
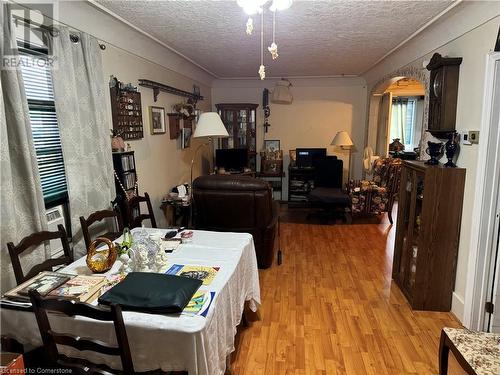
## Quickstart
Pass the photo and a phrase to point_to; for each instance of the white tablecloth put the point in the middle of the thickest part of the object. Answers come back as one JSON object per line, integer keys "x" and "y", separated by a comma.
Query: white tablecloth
{"x": 197, "y": 344}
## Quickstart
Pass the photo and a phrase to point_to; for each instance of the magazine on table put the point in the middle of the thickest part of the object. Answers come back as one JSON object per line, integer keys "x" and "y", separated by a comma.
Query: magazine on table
{"x": 43, "y": 283}
{"x": 204, "y": 273}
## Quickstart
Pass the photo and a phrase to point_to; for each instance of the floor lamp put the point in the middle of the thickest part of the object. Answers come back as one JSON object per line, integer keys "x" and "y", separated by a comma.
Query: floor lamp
{"x": 344, "y": 141}
{"x": 209, "y": 126}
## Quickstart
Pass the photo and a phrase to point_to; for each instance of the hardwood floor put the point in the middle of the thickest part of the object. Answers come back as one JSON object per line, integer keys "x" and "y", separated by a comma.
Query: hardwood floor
{"x": 332, "y": 308}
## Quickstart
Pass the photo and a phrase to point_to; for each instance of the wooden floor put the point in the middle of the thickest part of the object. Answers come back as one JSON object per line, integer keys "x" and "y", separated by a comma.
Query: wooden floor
{"x": 331, "y": 308}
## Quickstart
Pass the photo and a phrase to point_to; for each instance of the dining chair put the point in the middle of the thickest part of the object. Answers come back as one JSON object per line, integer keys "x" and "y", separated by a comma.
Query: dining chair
{"x": 51, "y": 339}
{"x": 135, "y": 218}
{"x": 36, "y": 239}
{"x": 98, "y": 216}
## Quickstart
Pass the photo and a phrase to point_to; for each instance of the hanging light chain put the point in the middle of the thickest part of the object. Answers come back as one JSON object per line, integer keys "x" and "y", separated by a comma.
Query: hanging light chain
{"x": 262, "y": 68}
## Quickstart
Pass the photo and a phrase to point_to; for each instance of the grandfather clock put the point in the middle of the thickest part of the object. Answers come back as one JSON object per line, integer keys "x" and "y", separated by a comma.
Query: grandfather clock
{"x": 443, "y": 94}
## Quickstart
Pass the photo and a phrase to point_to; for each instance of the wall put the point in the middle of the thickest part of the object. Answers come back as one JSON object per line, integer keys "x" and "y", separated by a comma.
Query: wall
{"x": 130, "y": 55}
{"x": 321, "y": 108}
{"x": 469, "y": 31}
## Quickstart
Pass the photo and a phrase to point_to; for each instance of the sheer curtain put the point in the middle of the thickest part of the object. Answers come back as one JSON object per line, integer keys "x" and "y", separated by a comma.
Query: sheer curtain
{"x": 22, "y": 210}
{"x": 81, "y": 110}
{"x": 399, "y": 120}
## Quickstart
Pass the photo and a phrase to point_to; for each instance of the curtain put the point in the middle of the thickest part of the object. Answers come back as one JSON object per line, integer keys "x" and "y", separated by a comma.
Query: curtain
{"x": 22, "y": 209}
{"x": 383, "y": 124}
{"x": 79, "y": 91}
{"x": 398, "y": 122}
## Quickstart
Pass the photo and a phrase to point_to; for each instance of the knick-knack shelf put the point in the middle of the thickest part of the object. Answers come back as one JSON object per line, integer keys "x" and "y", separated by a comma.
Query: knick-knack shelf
{"x": 157, "y": 87}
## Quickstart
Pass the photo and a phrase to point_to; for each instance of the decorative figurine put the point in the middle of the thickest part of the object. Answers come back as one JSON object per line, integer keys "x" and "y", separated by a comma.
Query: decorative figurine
{"x": 451, "y": 148}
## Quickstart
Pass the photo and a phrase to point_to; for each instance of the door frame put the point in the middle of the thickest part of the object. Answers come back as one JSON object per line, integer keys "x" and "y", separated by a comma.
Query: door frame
{"x": 485, "y": 210}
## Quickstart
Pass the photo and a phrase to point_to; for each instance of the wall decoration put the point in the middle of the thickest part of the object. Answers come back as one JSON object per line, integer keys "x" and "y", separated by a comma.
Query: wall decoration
{"x": 157, "y": 120}
{"x": 271, "y": 145}
{"x": 185, "y": 137}
{"x": 126, "y": 110}
{"x": 174, "y": 125}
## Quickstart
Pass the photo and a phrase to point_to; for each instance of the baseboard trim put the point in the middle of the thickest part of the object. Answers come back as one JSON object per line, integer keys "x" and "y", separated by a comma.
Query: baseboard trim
{"x": 458, "y": 306}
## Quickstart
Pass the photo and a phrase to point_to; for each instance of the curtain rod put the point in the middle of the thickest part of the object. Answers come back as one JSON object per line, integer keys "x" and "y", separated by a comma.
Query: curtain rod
{"x": 53, "y": 31}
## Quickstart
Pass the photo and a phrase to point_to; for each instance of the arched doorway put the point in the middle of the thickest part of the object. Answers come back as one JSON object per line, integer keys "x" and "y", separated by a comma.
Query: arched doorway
{"x": 397, "y": 109}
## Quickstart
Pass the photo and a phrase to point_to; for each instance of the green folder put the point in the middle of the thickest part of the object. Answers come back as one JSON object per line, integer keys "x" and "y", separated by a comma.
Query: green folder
{"x": 152, "y": 292}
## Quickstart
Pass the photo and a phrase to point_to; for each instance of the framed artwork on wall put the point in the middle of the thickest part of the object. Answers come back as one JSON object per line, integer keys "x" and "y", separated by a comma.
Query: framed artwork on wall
{"x": 157, "y": 120}
{"x": 271, "y": 145}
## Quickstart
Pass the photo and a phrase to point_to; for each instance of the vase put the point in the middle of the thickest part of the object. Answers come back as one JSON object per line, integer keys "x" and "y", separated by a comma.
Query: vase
{"x": 434, "y": 151}
{"x": 451, "y": 148}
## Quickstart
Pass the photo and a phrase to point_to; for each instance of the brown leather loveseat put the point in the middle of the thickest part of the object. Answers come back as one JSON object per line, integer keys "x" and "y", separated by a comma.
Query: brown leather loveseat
{"x": 238, "y": 204}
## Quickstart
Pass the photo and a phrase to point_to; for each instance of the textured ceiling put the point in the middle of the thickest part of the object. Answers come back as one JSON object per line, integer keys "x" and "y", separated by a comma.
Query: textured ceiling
{"x": 315, "y": 37}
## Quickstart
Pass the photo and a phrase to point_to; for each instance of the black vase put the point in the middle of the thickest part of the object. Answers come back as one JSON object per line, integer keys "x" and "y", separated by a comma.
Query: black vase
{"x": 451, "y": 148}
{"x": 434, "y": 151}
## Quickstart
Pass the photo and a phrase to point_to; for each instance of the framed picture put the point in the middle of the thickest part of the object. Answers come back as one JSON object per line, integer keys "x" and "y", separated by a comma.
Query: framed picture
{"x": 272, "y": 166}
{"x": 271, "y": 145}
{"x": 185, "y": 137}
{"x": 157, "y": 120}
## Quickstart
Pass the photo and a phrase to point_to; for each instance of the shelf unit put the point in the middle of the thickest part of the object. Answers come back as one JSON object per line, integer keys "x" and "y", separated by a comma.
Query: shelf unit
{"x": 275, "y": 180}
{"x": 427, "y": 234}
{"x": 240, "y": 122}
{"x": 300, "y": 184}
{"x": 125, "y": 171}
{"x": 126, "y": 110}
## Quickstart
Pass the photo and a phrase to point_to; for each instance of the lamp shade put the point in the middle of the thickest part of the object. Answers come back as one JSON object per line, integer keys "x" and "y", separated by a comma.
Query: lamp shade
{"x": 281, "y": 93}
{"x": 342, "y": 139}
{"x": 210, "y": 125}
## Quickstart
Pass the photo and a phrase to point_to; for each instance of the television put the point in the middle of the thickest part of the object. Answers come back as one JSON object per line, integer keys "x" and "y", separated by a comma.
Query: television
{"x": 306, "y": 156}
{"x": 231, "y": 159}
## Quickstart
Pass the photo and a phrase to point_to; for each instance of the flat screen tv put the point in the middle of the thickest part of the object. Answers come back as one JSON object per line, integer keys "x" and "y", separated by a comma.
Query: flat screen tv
{"x": 232, "y": 159}
{"x": 306, "y": 156}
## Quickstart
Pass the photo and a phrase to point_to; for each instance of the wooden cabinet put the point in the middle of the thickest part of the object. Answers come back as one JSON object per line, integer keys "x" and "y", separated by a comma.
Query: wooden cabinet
{"x": 427, "y": 234}
{"x": 240, "y": 122}
{"x": 300, "y": 184}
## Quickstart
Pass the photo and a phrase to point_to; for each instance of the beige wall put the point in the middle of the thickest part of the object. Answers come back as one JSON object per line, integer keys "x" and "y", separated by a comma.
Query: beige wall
{"x": 471, "y": 30}
{"x": 130, "y": 55}
{"x": 321, "y": 108}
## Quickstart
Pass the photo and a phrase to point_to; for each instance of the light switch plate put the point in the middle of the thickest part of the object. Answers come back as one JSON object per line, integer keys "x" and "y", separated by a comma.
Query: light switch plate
{"x": 464, "y": 138}
{"x": 474, "y": 136}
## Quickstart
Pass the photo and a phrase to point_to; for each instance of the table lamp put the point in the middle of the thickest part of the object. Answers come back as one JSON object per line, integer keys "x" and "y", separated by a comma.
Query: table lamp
{"x": 209, "y": 126}
{"x": 344, "y": 141}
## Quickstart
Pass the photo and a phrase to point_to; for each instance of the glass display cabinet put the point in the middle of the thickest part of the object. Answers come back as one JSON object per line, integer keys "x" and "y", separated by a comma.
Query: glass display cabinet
{"x": 427, "y": 234}
{"x": 240, "y": 122}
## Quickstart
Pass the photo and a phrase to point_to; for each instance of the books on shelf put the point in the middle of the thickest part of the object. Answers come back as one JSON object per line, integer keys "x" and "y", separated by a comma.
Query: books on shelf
{"x": 203, "y": 273}
{"x": 129, "y": 180}
{"x": 127, "y": 162}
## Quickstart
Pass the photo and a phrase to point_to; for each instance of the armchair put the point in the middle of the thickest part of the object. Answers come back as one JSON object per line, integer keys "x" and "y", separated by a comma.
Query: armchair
{"x": 379, "y": 194}
{"x": 238, "y": 204}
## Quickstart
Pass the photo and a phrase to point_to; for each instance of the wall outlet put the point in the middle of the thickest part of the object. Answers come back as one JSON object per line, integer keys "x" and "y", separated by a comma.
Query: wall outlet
{"x": 474, "y": 136}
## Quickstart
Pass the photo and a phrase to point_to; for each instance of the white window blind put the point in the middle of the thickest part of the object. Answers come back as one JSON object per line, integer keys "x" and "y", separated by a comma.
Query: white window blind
{"x": 40, "y": 94}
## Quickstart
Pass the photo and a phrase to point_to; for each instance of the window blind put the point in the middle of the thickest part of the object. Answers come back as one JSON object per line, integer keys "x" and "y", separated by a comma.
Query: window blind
{"x": 47, "y": 141}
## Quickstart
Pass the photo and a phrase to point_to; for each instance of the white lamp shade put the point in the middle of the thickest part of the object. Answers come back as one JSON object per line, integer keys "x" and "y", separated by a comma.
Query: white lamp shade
{"x": 342, "y": 139}
{"x": 210, "y": 125}
{"x": 281, "y": 93}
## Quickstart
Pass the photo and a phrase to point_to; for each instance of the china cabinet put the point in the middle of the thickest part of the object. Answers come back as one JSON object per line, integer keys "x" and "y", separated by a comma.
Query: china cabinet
{"x": 240, "y": 122}
{"x": 427, "y": 234}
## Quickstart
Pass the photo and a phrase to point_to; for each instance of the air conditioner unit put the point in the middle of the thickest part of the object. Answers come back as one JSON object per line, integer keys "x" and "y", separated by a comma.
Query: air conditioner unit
{"x": 55, "y": 216}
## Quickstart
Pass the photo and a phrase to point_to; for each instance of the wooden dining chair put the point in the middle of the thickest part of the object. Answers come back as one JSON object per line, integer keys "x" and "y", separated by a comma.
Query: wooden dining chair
{"x": 135, "y": 218}
{"x": 34, "y": 240}
{"x": 98, "y": 216}
{"x": 51, "y": 339}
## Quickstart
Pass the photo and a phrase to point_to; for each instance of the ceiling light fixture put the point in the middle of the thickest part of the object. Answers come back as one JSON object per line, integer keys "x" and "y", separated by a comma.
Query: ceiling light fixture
{"x": 252, "y": 7}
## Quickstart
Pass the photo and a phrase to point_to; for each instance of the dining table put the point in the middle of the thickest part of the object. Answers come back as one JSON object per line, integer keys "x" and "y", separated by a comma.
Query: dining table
{"x": 198, "y": 344}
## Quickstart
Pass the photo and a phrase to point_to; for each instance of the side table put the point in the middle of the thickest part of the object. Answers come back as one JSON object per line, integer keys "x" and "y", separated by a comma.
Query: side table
{"x": 177, "y": 212}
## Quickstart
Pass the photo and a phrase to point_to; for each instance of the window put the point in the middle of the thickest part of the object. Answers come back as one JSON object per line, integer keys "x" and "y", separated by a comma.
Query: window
{"x": 40, "y": 94}
{"x": 404, "y": 121}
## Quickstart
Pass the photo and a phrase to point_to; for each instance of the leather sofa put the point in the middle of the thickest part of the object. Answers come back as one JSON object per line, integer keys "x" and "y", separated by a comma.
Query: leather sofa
{"x": 238, "y": 204}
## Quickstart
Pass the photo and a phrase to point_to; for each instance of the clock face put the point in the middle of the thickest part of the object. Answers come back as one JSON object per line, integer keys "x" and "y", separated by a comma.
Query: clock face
{"x": 437, "y": 85}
